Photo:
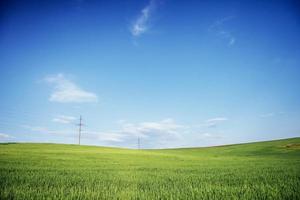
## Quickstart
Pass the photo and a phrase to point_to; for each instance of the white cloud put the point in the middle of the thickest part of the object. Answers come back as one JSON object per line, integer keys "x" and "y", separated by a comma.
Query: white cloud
{"x": 63, "y": 119}
{"x": 151, "y": 132}
{"x": 164, "y": 133}
{"x": 45, "y": 130}
{"x": 214, "y": 122}
{"x": 103, "y": 136}
{"x": 154, "y": 134}
{"x": 141, "y": 24}
{"x": 160, "y": 133}
{"x": 227, "y": 36}
{"x": 91, "y": 135}
{"x": 35, "y": 128}
{"x": 267, "y": 115}
{"x": 272, "y": 114}
{"x": 217, "y": 119}
{"x": 207, "y": 135}
{"x": 220, "y": 22}
{"x": 4, "y": 136}
{"x": 66, "y": 91}
{"x": 146, "y": 129}
{"x": 231, "y": 41}
{"x": 218, "y": 28}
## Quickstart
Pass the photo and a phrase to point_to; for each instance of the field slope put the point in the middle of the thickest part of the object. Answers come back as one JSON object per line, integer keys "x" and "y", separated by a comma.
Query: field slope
{"x": 263, "y": 170}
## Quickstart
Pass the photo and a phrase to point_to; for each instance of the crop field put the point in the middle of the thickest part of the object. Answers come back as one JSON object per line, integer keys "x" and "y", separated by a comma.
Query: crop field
{"x": 262, "y": 170}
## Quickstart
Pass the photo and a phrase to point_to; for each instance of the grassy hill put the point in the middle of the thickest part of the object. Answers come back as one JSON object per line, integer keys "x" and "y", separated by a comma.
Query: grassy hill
{"x": 262, "y": 170}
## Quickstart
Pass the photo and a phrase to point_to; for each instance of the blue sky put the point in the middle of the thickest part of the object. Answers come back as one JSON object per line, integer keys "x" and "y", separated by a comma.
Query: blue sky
{"x": 174, "y": 73}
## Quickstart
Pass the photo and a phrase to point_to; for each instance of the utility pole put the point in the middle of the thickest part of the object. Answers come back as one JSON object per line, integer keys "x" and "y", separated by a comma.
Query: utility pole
{"x": 139, "y": 143}
{"x": 79, "y": 131}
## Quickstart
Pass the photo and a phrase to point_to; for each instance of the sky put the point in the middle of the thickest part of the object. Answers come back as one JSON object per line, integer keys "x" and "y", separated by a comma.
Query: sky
{"x": 172, "y": 73}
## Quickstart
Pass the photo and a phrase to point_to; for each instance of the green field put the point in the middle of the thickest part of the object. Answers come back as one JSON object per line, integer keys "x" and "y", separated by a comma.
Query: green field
{"x": 263, "y": 170}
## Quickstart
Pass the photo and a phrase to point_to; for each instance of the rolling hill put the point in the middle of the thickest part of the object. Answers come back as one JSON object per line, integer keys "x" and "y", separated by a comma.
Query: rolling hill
{"x": 261, "y": 170}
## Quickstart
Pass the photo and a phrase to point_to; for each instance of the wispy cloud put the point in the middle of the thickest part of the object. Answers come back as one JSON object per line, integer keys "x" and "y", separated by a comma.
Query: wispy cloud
{"x": 227, "y": 36}
{"x": 152, "y": 133}
{"x": 271, "y": 114}
{"x": 155, "y": 134}
{"x": 45, "y": 130}
{"x": 34, "y": 128}
{"x": 217, "y": 119}
{"x": 208, "y": 135}
{"x": 220, "y": 22}
{"x": 104, "y": 136}
{"x": 113, "y": 137}
{"x": 266, "y": 115}
{"x": 147, "y": 129}
{"x": 141, "y": 23}
{"x": 5, "y": 137}
{"x": 63, "y": 119}
{"x": 66, "y": 91}
{"x": 218, "y": 29}
{"x": 214, "y": 121}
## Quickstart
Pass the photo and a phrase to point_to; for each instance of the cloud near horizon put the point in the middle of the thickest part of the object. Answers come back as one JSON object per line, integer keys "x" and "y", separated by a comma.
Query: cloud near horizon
{"x": 165, "y": 133}
{"x": 5, "y": 137}
{"x": 45, "y": 130}
{"x": 66, "y": 91}
{"x": 153, "y": 134}
{"x": 145, "y": 129}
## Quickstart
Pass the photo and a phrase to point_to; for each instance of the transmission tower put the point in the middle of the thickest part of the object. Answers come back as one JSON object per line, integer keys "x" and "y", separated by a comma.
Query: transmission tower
{"x": 139, "y": 142}
{"x": 79, "y": 131}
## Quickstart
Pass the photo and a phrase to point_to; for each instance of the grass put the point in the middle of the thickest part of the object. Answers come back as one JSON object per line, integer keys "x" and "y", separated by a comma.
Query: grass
{"x": 263, "y": 170}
